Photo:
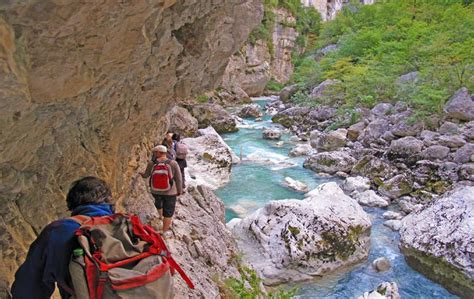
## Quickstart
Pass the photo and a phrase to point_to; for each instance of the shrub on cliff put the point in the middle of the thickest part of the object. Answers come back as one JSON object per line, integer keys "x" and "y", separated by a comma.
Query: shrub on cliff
{"x": 379, "y": 43}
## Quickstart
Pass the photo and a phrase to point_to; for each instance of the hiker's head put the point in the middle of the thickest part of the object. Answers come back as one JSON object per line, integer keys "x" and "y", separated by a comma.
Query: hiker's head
{"x": 86, "y": 191}
{"x": 176, "y": 137}
{"x": 160, "y": 151}
{"x": 169, "y": 136}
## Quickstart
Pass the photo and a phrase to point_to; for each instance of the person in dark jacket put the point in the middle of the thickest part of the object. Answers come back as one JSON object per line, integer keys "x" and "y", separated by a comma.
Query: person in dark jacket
{"x": 181, "y": 160}
{"x": 48, "y": 258}
{"x": 170, "y": 146}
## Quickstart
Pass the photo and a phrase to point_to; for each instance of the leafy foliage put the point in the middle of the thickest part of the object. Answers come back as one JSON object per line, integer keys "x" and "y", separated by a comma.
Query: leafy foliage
{"x": 308, "y": 22}
{"x": 249, "y": 285}
{"x": 379, "y": 43}
{"x": 273, "y": 85}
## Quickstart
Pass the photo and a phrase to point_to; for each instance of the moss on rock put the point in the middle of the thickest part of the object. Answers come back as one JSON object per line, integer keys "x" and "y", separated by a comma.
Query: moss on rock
{"x": 437, "y": 269}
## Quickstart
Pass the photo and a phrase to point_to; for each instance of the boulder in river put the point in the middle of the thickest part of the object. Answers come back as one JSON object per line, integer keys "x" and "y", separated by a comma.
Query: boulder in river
{"x": 393, "y": 224}
{"x": 295, "y": 185}
{"x": 405, "y": 148}
{"x": 330, "y": 141}
{"x": 330, "y": 162}
{"x": 460, "y": 105}
{"x": 182, "y": 122}
{"x": 209, "y": 158}
{"x": 465, "y": 154}
{"x": 449, "y": 128}
{"x": 438, "y": 240}
{"x": 381, "y": 264}
{"x": 287, "y": 92}
{"x": 386, "y": 290}
{"x": 325, "y": 89}
{"x": 370, "y": 198}
{"x": 322, "y": 113}
{"x": 355, "y": 130}
{"x": 291, "y": 116}
{"x": 252, "y": 110}
{"x": 214, "y": 115}
{"x": 435, "y": 152}
{"x": 293, "y": 240}
{"x": 373, "y": 168}
{"x": 271, "y": 134}
{"x": 374, "y": 130}
{"x": 391, "y": 215}
{"x": 301, "y": 150}
{"x": 452, "y": 141}
{"x": 358, "y": 183}
{"x": 397, "y": 186}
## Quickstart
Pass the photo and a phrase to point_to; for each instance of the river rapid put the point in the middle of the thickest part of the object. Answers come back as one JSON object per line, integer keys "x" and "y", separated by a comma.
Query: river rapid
{"x": 259, "y": 179}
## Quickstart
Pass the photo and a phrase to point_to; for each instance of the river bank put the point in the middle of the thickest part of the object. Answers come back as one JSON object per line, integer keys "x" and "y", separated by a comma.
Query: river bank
{"x": 262, "y": 179}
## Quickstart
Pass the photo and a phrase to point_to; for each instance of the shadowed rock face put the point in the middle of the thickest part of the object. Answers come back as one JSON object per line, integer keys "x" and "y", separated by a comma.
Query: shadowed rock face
{"x": 84, "y": 88}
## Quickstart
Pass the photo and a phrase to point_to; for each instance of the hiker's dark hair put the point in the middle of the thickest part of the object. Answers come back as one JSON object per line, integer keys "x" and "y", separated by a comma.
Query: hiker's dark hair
{"x": 88, "y": 190}
{"x": 176, "y": 137}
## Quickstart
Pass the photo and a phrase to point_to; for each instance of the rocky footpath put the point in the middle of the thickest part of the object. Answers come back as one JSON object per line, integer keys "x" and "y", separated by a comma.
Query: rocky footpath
{"x": 438, "y": 240}
{"x": 201, "y": 244}
{"x": 84, "y": 90}
{"x": 293, "y": 240}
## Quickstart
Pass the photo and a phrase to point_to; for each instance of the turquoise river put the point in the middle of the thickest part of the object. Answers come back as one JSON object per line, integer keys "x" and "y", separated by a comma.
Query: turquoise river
{"x": 258, "y": 179}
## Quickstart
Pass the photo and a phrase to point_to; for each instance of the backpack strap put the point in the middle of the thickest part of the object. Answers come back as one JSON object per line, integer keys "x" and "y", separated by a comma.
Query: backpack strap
{"x": 81, "y": 219}
{"x": 148, "y": 234}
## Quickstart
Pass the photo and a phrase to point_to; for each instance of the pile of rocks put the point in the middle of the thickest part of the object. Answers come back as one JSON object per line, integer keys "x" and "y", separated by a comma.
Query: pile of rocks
{"x": 390, "y": 156}
{"x": 405, "y": 161}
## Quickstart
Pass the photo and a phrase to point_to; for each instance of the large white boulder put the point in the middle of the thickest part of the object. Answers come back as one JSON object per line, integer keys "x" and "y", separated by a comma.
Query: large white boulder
{"x": 386, "y": 290}
{"x": 357, "y": 183}
{"x": 209, "y": 159}
{"x": 438, "y": 240}
{"x": 460, "y": 105}
{"x": 295, "y": 185}
{"x": 370, "y": 198}
{"x": 330, "y": 162}
{"x": 293, "y": 240}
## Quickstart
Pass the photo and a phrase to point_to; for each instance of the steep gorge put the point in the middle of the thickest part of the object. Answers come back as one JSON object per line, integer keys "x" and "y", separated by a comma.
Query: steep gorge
{"x": 84, "y": 88}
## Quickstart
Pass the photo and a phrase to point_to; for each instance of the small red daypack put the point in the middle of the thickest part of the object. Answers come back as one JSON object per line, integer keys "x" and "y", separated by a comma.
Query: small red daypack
{"x": 119, "y": 258}
{"x": 161, "y": 177}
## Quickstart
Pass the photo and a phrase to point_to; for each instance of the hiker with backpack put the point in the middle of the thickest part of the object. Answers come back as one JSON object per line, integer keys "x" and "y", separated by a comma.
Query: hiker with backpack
{"x": 48, "y": 257}
{"x": 95, "y": 254}
{"x": 165, "y": 185}
{"x": 170, "y": 146}
{"x": 181, "y": 150}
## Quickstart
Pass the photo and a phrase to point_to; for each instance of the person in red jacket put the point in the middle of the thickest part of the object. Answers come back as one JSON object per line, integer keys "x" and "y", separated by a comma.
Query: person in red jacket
{"x": 165, "y": 201}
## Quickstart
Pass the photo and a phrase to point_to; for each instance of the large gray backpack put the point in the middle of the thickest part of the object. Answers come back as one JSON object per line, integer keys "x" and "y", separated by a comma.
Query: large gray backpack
{"x": 119, "y": 257}
{"x": 181, "y": 150}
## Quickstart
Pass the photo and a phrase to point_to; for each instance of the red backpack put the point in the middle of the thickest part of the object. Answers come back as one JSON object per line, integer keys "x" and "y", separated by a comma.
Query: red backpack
{"x": 119, "y": 257}
{"x": 161, "y": 179}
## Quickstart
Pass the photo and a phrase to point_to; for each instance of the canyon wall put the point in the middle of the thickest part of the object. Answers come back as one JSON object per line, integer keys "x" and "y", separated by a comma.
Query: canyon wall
{"x": 257, "y": 62}
{"x": 84, "y": 88}
{"x": 329, "y": 8}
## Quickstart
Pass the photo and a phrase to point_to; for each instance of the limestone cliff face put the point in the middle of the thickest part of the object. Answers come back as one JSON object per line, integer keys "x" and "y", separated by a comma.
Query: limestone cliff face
{"x": 84, "y": 88}
{"x": 250, "y": 69}
{"x": 330, "y": 8}
{"x": 284, "y": 38}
